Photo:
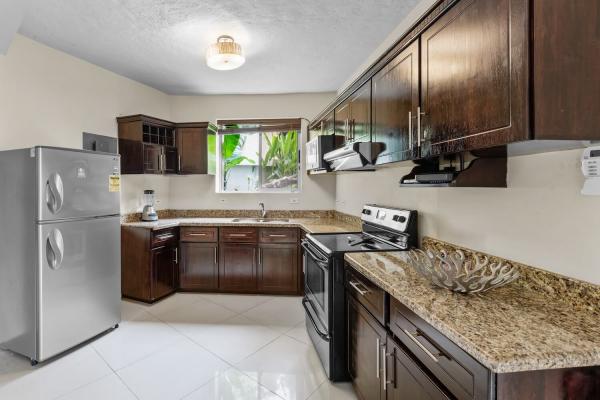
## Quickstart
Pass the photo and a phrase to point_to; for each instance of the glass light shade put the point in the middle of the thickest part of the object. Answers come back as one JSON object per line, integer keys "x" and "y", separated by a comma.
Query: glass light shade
{"x": 225, "y": 55}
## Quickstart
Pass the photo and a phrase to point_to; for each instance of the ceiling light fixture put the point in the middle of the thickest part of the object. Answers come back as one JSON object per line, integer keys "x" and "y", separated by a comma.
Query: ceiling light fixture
{"x": 225, "y": 55}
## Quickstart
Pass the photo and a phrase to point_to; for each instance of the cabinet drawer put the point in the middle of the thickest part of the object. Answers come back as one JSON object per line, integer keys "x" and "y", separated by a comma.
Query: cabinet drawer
{"x": 163, "y": 237}
{"x": 457, "y": 370}
{"x": 278, "y": 235}
{"x": 238, "y": 235}
{"x": 198, "y": 234}
{"x": 371, "y": 296}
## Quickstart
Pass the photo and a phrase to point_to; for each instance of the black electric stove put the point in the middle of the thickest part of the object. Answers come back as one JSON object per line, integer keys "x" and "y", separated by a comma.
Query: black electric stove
{"x": 383, "y": 229}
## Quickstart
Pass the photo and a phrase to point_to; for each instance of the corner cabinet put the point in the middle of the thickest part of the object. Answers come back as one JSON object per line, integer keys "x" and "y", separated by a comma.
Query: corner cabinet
{"x": 352, "y": 119}
{"x": 149, "y": 261}
{"x": 149, "y": 145}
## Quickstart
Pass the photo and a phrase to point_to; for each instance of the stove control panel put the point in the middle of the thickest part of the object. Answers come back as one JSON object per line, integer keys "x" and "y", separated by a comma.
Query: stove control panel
{"x": 390, "y": 218}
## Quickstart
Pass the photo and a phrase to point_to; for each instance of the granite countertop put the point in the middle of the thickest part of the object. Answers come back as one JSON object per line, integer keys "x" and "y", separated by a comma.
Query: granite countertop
{"x": 310, "y": 225}
{"x": 508, "y": 329}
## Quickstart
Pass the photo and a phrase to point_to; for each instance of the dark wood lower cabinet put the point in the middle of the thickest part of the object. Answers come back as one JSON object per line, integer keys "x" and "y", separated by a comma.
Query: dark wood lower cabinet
{"x": 212, "y": 259}
{"x": 199, "y": 266}
{"x": 404, "y": 378}
{"x": 237, "y": 267}
{"x": 164, "y": 271}
{"x": 366, "y": 340}
{"x": 278, "y": 268}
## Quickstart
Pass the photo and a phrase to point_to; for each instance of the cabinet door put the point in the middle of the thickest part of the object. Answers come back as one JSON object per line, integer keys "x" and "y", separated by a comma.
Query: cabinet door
{"x": 395, "y": 102}
{"x": 192, "y": 146}
{"x": 152, "y": 159}
{"x": 405, "y": 379}
{"x": 366, "y": 340}
{"x": 474, "y": 80}
{"x": 329, "y": 124}
{"x": 170, "y": 160}
{"x": 237, "y": 267}
{"x": 199, "y": 267}
{"x": 132, "y": 156}
{"x": 360, "y": 114}
{"x": 278, "y": 268}
{"x": 342, "y": 120}
{"x": 164, "y": 273}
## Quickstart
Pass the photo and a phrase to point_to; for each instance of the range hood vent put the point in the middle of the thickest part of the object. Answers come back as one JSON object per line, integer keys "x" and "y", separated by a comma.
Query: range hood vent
{"x": 359, "y": 156}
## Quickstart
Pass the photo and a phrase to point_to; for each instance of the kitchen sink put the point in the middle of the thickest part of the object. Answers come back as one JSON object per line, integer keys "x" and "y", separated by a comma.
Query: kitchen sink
{"x": 260, "y": 220}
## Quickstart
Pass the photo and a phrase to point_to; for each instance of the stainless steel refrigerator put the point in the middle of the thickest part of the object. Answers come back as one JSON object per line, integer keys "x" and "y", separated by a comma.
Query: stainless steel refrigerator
{"x": 60, "y": 263}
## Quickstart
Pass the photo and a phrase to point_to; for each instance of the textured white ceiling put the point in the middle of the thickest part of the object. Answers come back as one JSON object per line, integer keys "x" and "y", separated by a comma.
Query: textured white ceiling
{"x": 290, "y": 45}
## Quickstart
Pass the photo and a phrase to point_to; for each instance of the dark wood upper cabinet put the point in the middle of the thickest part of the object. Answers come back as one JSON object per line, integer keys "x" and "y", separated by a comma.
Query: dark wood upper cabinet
{"x": 352, "y": 119}
{"x": 342, "y": 121}
{"x": 395, "y": 105}
{"x": 150, "y": 145}
{"x": 192, "y": 147}
{"x": 360, "y": 114}
{"x": 566, "y": 65}
{"x": 325, "y": 127}
{"x": 474, "y": 77}
{"x": 199, "y": 266}
{"x": 152, "y": 158}
{"x": 278, "y": 268}
{"x": 366, "y": 340}
{"x": 237, "y": 267}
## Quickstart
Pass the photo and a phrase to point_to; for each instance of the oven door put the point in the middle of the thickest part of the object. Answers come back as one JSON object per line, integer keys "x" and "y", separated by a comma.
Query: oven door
{"x": 316, "y": 288}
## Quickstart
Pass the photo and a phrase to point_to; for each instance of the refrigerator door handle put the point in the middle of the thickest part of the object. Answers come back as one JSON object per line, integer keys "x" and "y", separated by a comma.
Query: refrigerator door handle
{"x": 55, "y": 249}
{"x": 54, "y": 192}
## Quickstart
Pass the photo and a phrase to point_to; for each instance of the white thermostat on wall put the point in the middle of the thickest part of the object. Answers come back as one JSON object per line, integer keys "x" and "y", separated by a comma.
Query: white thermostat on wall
{"x": 590, "y": 166}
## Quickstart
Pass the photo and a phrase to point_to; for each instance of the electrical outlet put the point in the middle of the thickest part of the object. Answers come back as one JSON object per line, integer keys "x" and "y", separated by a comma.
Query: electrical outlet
{"x": 294, "y": 200}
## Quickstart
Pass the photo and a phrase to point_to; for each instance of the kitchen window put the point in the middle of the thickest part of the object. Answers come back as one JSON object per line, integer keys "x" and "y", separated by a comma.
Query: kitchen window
{"x": 258, "y": 156}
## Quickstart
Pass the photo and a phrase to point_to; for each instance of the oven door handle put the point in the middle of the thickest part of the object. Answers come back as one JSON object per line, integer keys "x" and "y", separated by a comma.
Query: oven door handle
{"x": 307, "y": 248}
{"x": 323, "y": 336}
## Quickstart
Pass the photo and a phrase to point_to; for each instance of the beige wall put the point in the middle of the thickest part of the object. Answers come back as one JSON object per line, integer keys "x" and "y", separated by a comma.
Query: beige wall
{"x": 541, "y": 219}
{"x": 49, "y": 98}
{"x": 199, "y": 191}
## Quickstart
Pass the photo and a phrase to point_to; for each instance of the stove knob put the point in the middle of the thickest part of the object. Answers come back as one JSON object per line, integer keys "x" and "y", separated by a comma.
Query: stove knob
{"x": 366, "y": 211}
{"x": 399, "y": 218}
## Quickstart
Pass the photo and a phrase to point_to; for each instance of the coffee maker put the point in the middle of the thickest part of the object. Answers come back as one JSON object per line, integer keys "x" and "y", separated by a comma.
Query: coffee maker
{"x": 149, "y": 213}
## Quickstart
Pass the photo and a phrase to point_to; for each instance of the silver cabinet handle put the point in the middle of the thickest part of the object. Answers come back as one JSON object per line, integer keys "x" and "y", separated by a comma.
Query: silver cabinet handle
{"x": 420, "y": 345}
{"x": 216, "y": 261}
{"x": 276, "y": 235}
{"x": 165, "y": 236}
{"x": 178, "y": 163}
{"x": 195, "y": 234}
{"x": 419, "y": 118}
{"x": 55, "y": 248}
{"x": 54, "y": 192}
{"x": 322, "y": 130}
{"x": 347, "y": 129}
{"x": 378, "y": 362}
{"x": 176, "y": 256}
{"x": 410, "y": 137}
{"x": 385, "y": 355}
{"x": 359, "y": 290}
{"x": 237, "y": 235}
{"x": 260, "y": 256}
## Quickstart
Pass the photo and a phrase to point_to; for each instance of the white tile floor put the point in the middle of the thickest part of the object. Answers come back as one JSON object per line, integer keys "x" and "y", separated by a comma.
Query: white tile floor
{"x": 189, "y": 346}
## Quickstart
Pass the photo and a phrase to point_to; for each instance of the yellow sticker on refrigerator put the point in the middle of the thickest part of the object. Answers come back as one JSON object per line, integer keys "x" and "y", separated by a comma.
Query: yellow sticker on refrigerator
{"x": 114, "y": 183}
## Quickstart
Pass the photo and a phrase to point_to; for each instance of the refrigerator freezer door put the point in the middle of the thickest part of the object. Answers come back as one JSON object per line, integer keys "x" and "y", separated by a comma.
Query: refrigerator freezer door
{"x": 79, "y": 282}
{"x": 76, "y": 184}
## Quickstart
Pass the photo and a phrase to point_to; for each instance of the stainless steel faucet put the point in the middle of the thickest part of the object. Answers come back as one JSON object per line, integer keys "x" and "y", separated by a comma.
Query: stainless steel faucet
{"x": 263, "y": 213}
